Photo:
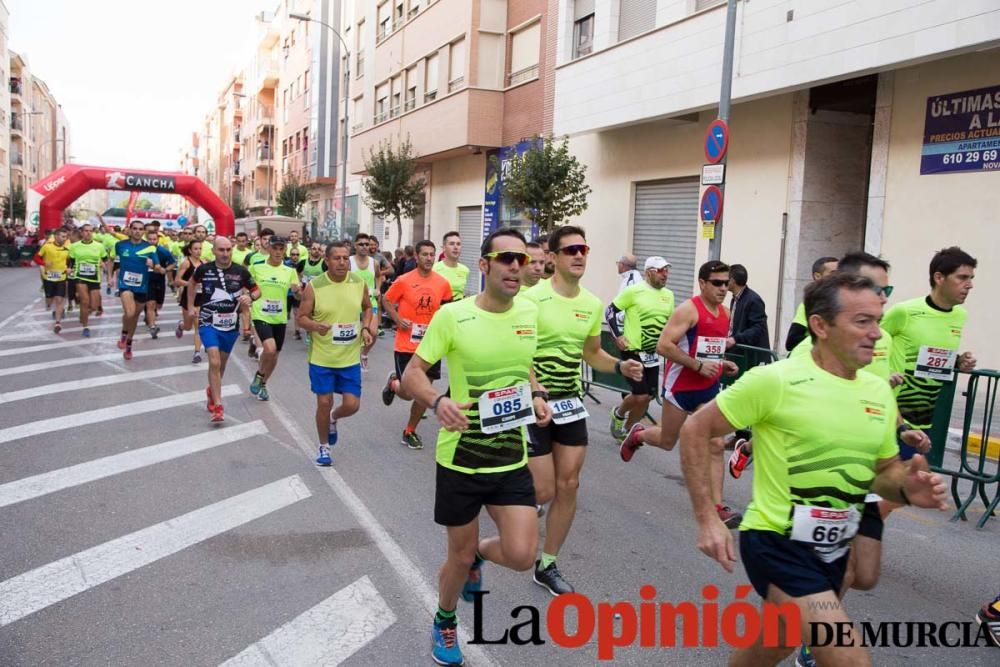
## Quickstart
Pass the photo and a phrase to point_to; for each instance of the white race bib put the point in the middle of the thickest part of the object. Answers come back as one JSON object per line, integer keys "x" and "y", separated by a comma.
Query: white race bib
{"x": 84, "y": 269}
{"x": 417, "y": 332}
{"x": 649, "y": 359}
{"x": 343, "y": 334}
{"x": 710, "y": 348}
{"x": 53, "y": 275}
{"x": 132, "y": 279}
{"x": 567, "y": 410}
{"x": 272, "y": 307}
{"x": 505, "y": 409}
{"x": 827, "y": 531}
{"x": 224, "y": 321}
{"x": 935, "y": 363}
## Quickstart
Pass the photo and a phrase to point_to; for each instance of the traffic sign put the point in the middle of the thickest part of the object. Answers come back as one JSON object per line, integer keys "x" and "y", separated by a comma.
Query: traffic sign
{"x": 713, "y": 174}
{"x": 711, "y": 204}
{"x": 268, "y": 211}
{"x": 716, "y": 140}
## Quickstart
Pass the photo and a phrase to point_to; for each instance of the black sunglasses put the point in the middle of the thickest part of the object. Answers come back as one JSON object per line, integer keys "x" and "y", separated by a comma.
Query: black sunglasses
{"x": 575, "y": 249}
{"x": 718, "y": 282}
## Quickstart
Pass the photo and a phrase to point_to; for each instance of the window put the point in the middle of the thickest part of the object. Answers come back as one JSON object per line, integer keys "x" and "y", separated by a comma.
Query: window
{"x": 431, "y": 78}
{"x": 456, "y": 65}
{"x": 705, "y": 4}
{"x": 305, "y": 82}
{"x": 382, "y": 102}
{"x": 356, "y": 114}
{"x": 394, "y": 107}
{"x": 583, "y": 28}
{"x": 524, "y": 48}
{"x": 384, "y": 21}
{"x": 636, "y": 17}
{"x": 398, "y": 14}
{"x": 411, "y": 98}
{"x": 414, "y": 9}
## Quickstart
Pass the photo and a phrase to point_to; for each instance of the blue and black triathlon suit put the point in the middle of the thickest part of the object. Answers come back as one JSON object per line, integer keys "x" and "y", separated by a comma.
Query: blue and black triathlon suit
{"x": 133, "y": 274}
{"x": 218, "y": 311}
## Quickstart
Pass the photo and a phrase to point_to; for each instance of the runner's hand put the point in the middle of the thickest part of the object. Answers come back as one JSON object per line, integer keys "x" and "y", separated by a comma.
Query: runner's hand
{"x": 924, "y": 488}
{"x": 149, "y": 263}
{"x": 622, "y": 342}
{"x": 917, "y": 439}
{"x": 709, "y": 369}
{"x": 896, "y": 379}
{"x": 543, "y": 413}
{"x": 730, "y": 368}
{"x": 244, "y": 300}
{"x": 716, "y": 542}
{"x": 322, "y": 328}
{"x": 966, "y": 362}
{"x": 405, "y": 323}
{"x": 632, "y": 369}
{"x": 450, "y": 415}
{"x": 367, "y": 338}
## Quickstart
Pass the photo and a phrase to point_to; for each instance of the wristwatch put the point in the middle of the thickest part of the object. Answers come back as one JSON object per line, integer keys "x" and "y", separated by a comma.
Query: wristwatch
{"x": 902, "y": 428}
{"x": 544, "y": 395}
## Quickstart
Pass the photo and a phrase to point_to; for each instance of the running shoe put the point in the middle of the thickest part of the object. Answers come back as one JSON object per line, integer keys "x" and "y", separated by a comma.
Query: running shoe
{"x": 388, "y": 395}
{"x": 331, "y": 432}
{"x": 121, "y": 342}
{"x": 217, "y": 413}
{"x": 154, "y": 332}
{"x": 324, "y": 456}
{"x": 412, "y": 440}
{"x": 196, "y": 359}
{"x": 257, "y": 383}
{"x": 252, "y": 351}
{"x": 57, "y": 327}
{"x": 444, "y": 643}
{"x": 741, "y": 457}
{"x": 107, "y": 290}
{"x": 85, "y": 333}
{"x": 631, "y": 442}
{"x": 474, "y": 582}
{"x": 100, "y": 311}
{"x": 364, "y": 363}
{"x": 617, "y": 426}
{"x": 69, "y": 308}
{"x": 179, "y": 331}
{"x": 989, "y": 616}
{"x": 208, "y": 394}
{"x": 298, "y": 335}
{"x": 731, "y": 518}
{"x": 805, "y": 658}
{"x": 551, "y": 579}
{"x": 246, "y": 337}
{"x": 263, "y": 395}
{"x": 128, "y": 353}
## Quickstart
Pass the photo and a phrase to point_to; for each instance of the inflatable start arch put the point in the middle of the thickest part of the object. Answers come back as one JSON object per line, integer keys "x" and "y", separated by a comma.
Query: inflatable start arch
{"x": 63, "y": 186}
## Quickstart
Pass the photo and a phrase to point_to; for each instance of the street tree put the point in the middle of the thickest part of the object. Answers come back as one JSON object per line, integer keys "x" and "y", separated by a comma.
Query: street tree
{"x": 239, "y": 208}
{"x": 392, "y": 188}
{"x": 17, "y": 197}
{"x": 291, "y": 196}
{"x": 546, "y": 183}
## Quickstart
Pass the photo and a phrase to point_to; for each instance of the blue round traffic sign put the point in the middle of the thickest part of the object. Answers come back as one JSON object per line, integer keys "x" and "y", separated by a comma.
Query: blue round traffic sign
{"x": 711, "y": 204}
{"x": 716, "y": 140}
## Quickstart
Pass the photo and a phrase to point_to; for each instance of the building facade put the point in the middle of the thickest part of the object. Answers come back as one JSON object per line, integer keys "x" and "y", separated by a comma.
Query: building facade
{"x": 842, "y": 129}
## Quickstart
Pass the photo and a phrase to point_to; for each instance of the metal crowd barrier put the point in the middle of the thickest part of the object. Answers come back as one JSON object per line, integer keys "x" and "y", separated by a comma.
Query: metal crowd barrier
{"x": 11, "y": 255}
{"x": 981, "y": 468}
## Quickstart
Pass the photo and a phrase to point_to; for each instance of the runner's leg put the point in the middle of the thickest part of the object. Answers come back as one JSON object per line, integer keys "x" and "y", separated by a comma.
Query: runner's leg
{"x": 324, "y": 405}
{"x": 568, "y": 462}
{"x": 544, "y": 476}
{"x": 517, "y": 541}
{"x": 215, "y": 370}
{"x": 83, "y": 298}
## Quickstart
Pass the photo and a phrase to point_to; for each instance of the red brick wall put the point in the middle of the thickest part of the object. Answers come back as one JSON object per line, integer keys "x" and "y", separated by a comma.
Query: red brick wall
{"x": 524, "y": 106}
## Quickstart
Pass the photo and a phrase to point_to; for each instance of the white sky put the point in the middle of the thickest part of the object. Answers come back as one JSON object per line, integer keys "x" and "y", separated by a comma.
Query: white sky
{"x": 134, "y": 77}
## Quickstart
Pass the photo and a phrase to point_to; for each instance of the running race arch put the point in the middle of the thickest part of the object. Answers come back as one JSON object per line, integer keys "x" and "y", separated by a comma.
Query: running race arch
{"x": 63, "y": 186}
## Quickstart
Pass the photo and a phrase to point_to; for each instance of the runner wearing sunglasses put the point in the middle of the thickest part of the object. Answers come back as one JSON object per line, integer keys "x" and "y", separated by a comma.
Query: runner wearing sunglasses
{"x": 694, "y": 343}
{"x": 646, "y": 305}
{"x": 569, "y": 330}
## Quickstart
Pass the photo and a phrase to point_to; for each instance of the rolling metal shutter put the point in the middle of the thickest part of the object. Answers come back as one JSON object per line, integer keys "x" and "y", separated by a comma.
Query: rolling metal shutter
{"x": 378, "y": 229}
{"x": 470, "y": 227}
{"x": 666, "y": 224}
{"x": 637, "y": 17}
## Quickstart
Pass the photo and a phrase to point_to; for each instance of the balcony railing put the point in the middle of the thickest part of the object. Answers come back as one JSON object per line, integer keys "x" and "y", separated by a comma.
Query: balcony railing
{"x": 264, "y": 154}
{"x": 413, "y": 12}
{"x": 16, "y": 123}
{"x": 357, "y": 127}
{"x": 15, "y": 86}
{"x": 260, "y": 195}
{"x": 17, "y": 160}
{"x": 236, "y": 169}
{"x": 410, "y": 104}
{"x": 522, "y": 75}
{"x": 359, "y": 69}
{"x": 455, "y": 84}
{"x": 394, "y": 111}
{"x": 381, "y": 117}
{"x": 430, "y": 96}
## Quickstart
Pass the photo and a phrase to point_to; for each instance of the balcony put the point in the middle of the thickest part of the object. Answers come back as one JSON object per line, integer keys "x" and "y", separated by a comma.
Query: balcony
{"x": 15, "y": 86}
{"x": 449, "y": 126}
{"x": 522, "y": 76}
{"x": 17, "y": 160}
{"x": 455, "y": 84}
{"x": 268, "y": 74}
{"x": 265, "y": 121}
{"x": 265, "y": 157}
{"x": 16, "y": 124}
{"x": 236, "y": 171}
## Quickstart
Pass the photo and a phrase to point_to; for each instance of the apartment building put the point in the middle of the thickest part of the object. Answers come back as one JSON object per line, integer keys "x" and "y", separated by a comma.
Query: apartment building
{"x": 278, "y": 118}
{"x": 465, "y": 81}
{"x": 845, "y": 134}
{"x": 5, "y": 116}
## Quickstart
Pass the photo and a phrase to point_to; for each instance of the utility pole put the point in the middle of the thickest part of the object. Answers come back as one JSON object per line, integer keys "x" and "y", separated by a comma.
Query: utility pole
{"x": 725, "y": 104}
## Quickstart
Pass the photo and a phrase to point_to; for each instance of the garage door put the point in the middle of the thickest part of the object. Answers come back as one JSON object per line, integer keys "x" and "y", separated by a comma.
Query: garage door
{"x": 666, "y": 224}
{"x": 470, "y": 226}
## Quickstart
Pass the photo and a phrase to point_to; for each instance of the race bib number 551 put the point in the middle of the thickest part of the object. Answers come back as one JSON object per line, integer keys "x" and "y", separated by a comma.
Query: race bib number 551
{"x": 505, "y": 409}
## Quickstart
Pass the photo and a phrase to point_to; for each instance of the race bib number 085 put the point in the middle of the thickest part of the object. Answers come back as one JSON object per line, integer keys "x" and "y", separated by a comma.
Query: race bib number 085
{"x": 506, "y": 409}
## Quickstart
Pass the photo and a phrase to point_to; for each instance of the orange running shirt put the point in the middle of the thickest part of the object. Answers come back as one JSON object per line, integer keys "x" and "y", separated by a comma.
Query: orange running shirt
{"x": 417, "y": 299}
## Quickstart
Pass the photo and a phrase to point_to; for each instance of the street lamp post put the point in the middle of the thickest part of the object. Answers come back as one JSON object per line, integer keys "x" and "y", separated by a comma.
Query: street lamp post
{"x": 347, "y": 100}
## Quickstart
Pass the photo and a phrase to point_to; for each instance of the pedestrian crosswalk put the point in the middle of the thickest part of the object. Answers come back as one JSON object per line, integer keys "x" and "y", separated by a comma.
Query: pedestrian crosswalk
{"x": 48, "y": 401}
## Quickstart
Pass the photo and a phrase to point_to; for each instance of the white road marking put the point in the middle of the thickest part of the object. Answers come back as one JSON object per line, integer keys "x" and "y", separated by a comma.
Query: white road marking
{"x": 21, "y": 312}
{"x": 407, "y": 571}
{"x": 108, "y": 466}
{"x": 37, "y": 589}
{"x": 326, "y": 634}
{"x": 75, "y": 361}
{"x": 51, "y": 346}
{"x": 78, "y": 419}
{"x": 75, "y": 385}
{"x": 140, "y": 333}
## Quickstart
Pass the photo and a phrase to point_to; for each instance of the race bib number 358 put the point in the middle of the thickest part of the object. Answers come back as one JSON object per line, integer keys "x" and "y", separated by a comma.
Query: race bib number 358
{"x": 505, "y": 409}
{"x": 710, "y": 348}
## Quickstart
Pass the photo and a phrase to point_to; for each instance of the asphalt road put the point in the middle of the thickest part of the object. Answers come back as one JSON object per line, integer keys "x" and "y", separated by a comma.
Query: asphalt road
{"x": 227, "y": 542}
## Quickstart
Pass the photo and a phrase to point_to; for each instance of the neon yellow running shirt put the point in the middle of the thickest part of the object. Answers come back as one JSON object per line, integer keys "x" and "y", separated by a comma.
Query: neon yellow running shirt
{"x": 484, "y": 351}
{"x": 456, "y": 277}
{"x": 274, "y": 283}
{"x": 647, "y": 310}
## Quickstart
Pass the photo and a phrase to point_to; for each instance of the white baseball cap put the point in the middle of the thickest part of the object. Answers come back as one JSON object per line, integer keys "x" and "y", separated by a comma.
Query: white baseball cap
{"x": 656, "y": 263}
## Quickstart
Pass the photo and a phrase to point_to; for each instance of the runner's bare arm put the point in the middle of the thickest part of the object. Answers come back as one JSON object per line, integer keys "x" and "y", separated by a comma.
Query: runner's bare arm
{"x": 416, "y": 383}
{"x": 601, "y": 361}
{"x": 714, "y": 539}
{"x": 369, "y": 330}
{"x": 910, "y": 483}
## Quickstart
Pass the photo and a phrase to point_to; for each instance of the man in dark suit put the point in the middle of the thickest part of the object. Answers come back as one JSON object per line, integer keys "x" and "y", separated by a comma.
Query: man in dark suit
{"x": 747, "y": 319}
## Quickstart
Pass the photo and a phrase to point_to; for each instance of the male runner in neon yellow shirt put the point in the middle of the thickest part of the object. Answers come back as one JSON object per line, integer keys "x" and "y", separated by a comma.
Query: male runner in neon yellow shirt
{"x": 270, "y": 312}
{"x": 453, "y": 271}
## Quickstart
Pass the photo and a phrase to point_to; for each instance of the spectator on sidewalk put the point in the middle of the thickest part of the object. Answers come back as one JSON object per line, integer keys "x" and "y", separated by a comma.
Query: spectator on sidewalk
{"x": 748, "y": 317}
